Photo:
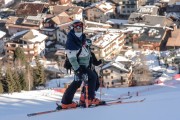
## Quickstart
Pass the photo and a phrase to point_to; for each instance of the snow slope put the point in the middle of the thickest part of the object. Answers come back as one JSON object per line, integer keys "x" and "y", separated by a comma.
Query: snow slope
{"x": 162, "y": 102}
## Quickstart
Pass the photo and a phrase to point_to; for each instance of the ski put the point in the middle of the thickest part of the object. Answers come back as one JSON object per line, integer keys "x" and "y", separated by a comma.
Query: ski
{"x": 103, "y": 104}
{"x": 122, "y": 102}
{"x": 120, "y": 98}
{"x": 111, "y": 100}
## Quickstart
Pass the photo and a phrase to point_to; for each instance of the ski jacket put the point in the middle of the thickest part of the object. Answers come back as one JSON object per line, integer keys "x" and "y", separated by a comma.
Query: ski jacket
{"x": 73, "y": 46}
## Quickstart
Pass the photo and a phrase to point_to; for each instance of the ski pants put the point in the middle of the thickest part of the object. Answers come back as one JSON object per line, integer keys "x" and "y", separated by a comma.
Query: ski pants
{"x": 71, "y": 90}
{"x": 97, "y": 83}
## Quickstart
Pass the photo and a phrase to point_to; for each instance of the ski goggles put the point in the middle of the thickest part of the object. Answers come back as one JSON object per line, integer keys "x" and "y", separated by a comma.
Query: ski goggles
{"x": 78, "y": 25}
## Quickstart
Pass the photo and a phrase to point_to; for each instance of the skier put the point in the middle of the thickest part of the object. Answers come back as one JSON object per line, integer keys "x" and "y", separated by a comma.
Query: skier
{"x": 92, "y": 63}
{"x": 79, "y": 57}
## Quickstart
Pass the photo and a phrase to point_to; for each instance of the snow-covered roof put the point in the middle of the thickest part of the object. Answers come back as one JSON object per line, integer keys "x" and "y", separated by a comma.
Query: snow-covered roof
{"x": 117, "y": 21}
{"x": 18, "y": 34}
{"x": 92, "y": 29}
{"x": 102, "y": 5}
{"x": 64, "y": 24}
{"x": 148, "y": 9}
{"x": 134, "y": 29}
{"x": 2, "y": 34}
{"x": 121, "y": 58}
{"x": 115, "y": 64}
{"x": 149, "y": 19}
{"x": 97, "y": 23}
{"x": 158, "y": 68}
{"x": 130, "y": 54}
{"x": 104, "y": 40}
{"x": 37, "y": 18}
{"x": 48, "y": 29}
{"x": 34, "y": 36}
{"x": 105, "y": 6}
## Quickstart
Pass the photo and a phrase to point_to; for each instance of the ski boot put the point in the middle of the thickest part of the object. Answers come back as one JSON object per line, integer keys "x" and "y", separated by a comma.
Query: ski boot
{"x": 67, "y": 106}
{"x": 94, "y": 101}
{"x": 58, "y": 107}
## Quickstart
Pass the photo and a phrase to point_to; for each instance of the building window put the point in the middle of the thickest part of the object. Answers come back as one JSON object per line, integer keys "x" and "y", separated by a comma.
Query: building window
{"x": 123, "y": 7}
{"x": 59, "y": 34}
{"x": 106, "y": 71}
{"x": 124, "y": 2}
{"x": 124, "y": 11}
{"x": 128, "y": 11}
{"x": 111, "y": 77}
{"x": 111, "y": 71}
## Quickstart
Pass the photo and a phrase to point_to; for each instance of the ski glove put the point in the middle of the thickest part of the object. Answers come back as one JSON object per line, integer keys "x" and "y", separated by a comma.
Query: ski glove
{"x": 81, "y": 74}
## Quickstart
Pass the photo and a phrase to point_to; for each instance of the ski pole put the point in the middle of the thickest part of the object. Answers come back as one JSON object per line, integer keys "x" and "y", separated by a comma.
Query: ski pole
{"x": 101, "y": 78}
{"x": 86, "y": 100}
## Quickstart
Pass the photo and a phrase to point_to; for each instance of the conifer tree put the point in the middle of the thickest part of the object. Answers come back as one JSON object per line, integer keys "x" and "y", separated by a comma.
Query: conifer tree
{"x": 10, "y": 80}
{"x": 4, "y": 84}
{"x": 1, "y": 80}
{"x": 17, "y": 87}
{"x": 22, "y": 79}
{"x": 19, "y": 56}
{"x": 39, "y": 76}
{"x": 1, "y": 87}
